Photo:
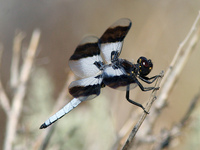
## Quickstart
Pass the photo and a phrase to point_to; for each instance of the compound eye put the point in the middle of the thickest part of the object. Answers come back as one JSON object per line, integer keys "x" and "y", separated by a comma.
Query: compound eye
{"x": 145, "y": 63}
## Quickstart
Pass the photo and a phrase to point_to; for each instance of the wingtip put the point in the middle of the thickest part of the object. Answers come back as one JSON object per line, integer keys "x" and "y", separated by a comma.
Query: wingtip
{"x": 43, "y": 126}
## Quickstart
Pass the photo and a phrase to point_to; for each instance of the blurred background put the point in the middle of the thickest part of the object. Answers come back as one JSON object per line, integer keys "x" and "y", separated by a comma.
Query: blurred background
{"x": 158, "y": 27}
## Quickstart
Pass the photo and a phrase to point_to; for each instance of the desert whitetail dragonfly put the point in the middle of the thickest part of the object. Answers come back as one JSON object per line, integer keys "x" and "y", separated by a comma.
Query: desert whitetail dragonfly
{"x": 111, "y": 71}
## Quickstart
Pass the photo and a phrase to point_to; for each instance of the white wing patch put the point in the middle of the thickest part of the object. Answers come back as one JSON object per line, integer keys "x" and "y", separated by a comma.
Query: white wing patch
{"x": 85, "y": 67}
{"x": 109, "y": 71}
{"x": 107, "y": 48}
{"x": 86, "y": 82}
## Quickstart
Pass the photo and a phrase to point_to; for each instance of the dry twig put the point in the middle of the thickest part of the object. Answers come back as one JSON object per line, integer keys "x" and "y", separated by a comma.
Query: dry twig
{"x": 166, "y": 137}
{"x": 4, "y": 101}
{"x": 147, "y": 108}
{"x": 18, "y": 98}
{"x": 175, "y": 71}
{"x": 14, "y": 77}
{"x": 172, "y": 74}
{"x": 169, "y": 80}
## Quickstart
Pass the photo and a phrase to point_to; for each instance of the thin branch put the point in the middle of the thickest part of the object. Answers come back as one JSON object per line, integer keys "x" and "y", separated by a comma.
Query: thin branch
{"x": 190, "y": 109}
{"x": 14, "y": 77}
{"x": 4, "y": 100}
{"x": 168, "y": 81}
{"x": 171, "y": 79}
{"x": 180, "y": 48}
{"x": 147, "y": 108}
{"x": 166, "y": 137}
{"x": 20, "y": 91}
{"x": 178, "y": 67}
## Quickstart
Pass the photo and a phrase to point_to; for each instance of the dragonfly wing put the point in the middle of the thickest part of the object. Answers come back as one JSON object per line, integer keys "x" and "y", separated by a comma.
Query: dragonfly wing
{"x": 84, "y": 57}
{"x": 112, "y": 39}
{"x": 87, "y": 88}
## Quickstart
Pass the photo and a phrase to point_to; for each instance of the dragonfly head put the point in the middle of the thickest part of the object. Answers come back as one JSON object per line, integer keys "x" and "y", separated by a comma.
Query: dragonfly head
{"x": 145, "y": 66}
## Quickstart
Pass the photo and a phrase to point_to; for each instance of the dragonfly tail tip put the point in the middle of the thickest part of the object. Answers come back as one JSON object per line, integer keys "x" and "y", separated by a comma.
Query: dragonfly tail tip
{"x": 43, "y": 126}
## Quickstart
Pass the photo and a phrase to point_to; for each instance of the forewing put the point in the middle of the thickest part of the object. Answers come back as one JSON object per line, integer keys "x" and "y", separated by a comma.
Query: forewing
{"x": 87, "y": 88}
{"x": 112, "y": 39}
{"x": 82, "y": 61}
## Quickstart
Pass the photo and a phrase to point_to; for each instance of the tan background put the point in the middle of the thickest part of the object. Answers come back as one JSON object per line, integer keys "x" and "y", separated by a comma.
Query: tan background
{"x": 158, "y": 27}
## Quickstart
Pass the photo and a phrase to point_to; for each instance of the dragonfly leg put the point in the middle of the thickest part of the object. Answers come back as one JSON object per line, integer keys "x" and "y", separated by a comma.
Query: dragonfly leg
{"x": 133, "y": 102}
{"x": 146, "y": 79}
{"x": 145, "y": 88}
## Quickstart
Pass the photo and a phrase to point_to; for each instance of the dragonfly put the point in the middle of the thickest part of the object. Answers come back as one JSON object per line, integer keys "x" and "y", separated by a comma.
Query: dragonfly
{"x": 96, "y": 61}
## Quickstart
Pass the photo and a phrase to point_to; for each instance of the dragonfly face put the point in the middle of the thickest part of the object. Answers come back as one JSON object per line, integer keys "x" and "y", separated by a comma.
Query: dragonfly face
{"x": 109, "y": 70}
{"x": 145, "y": 66}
